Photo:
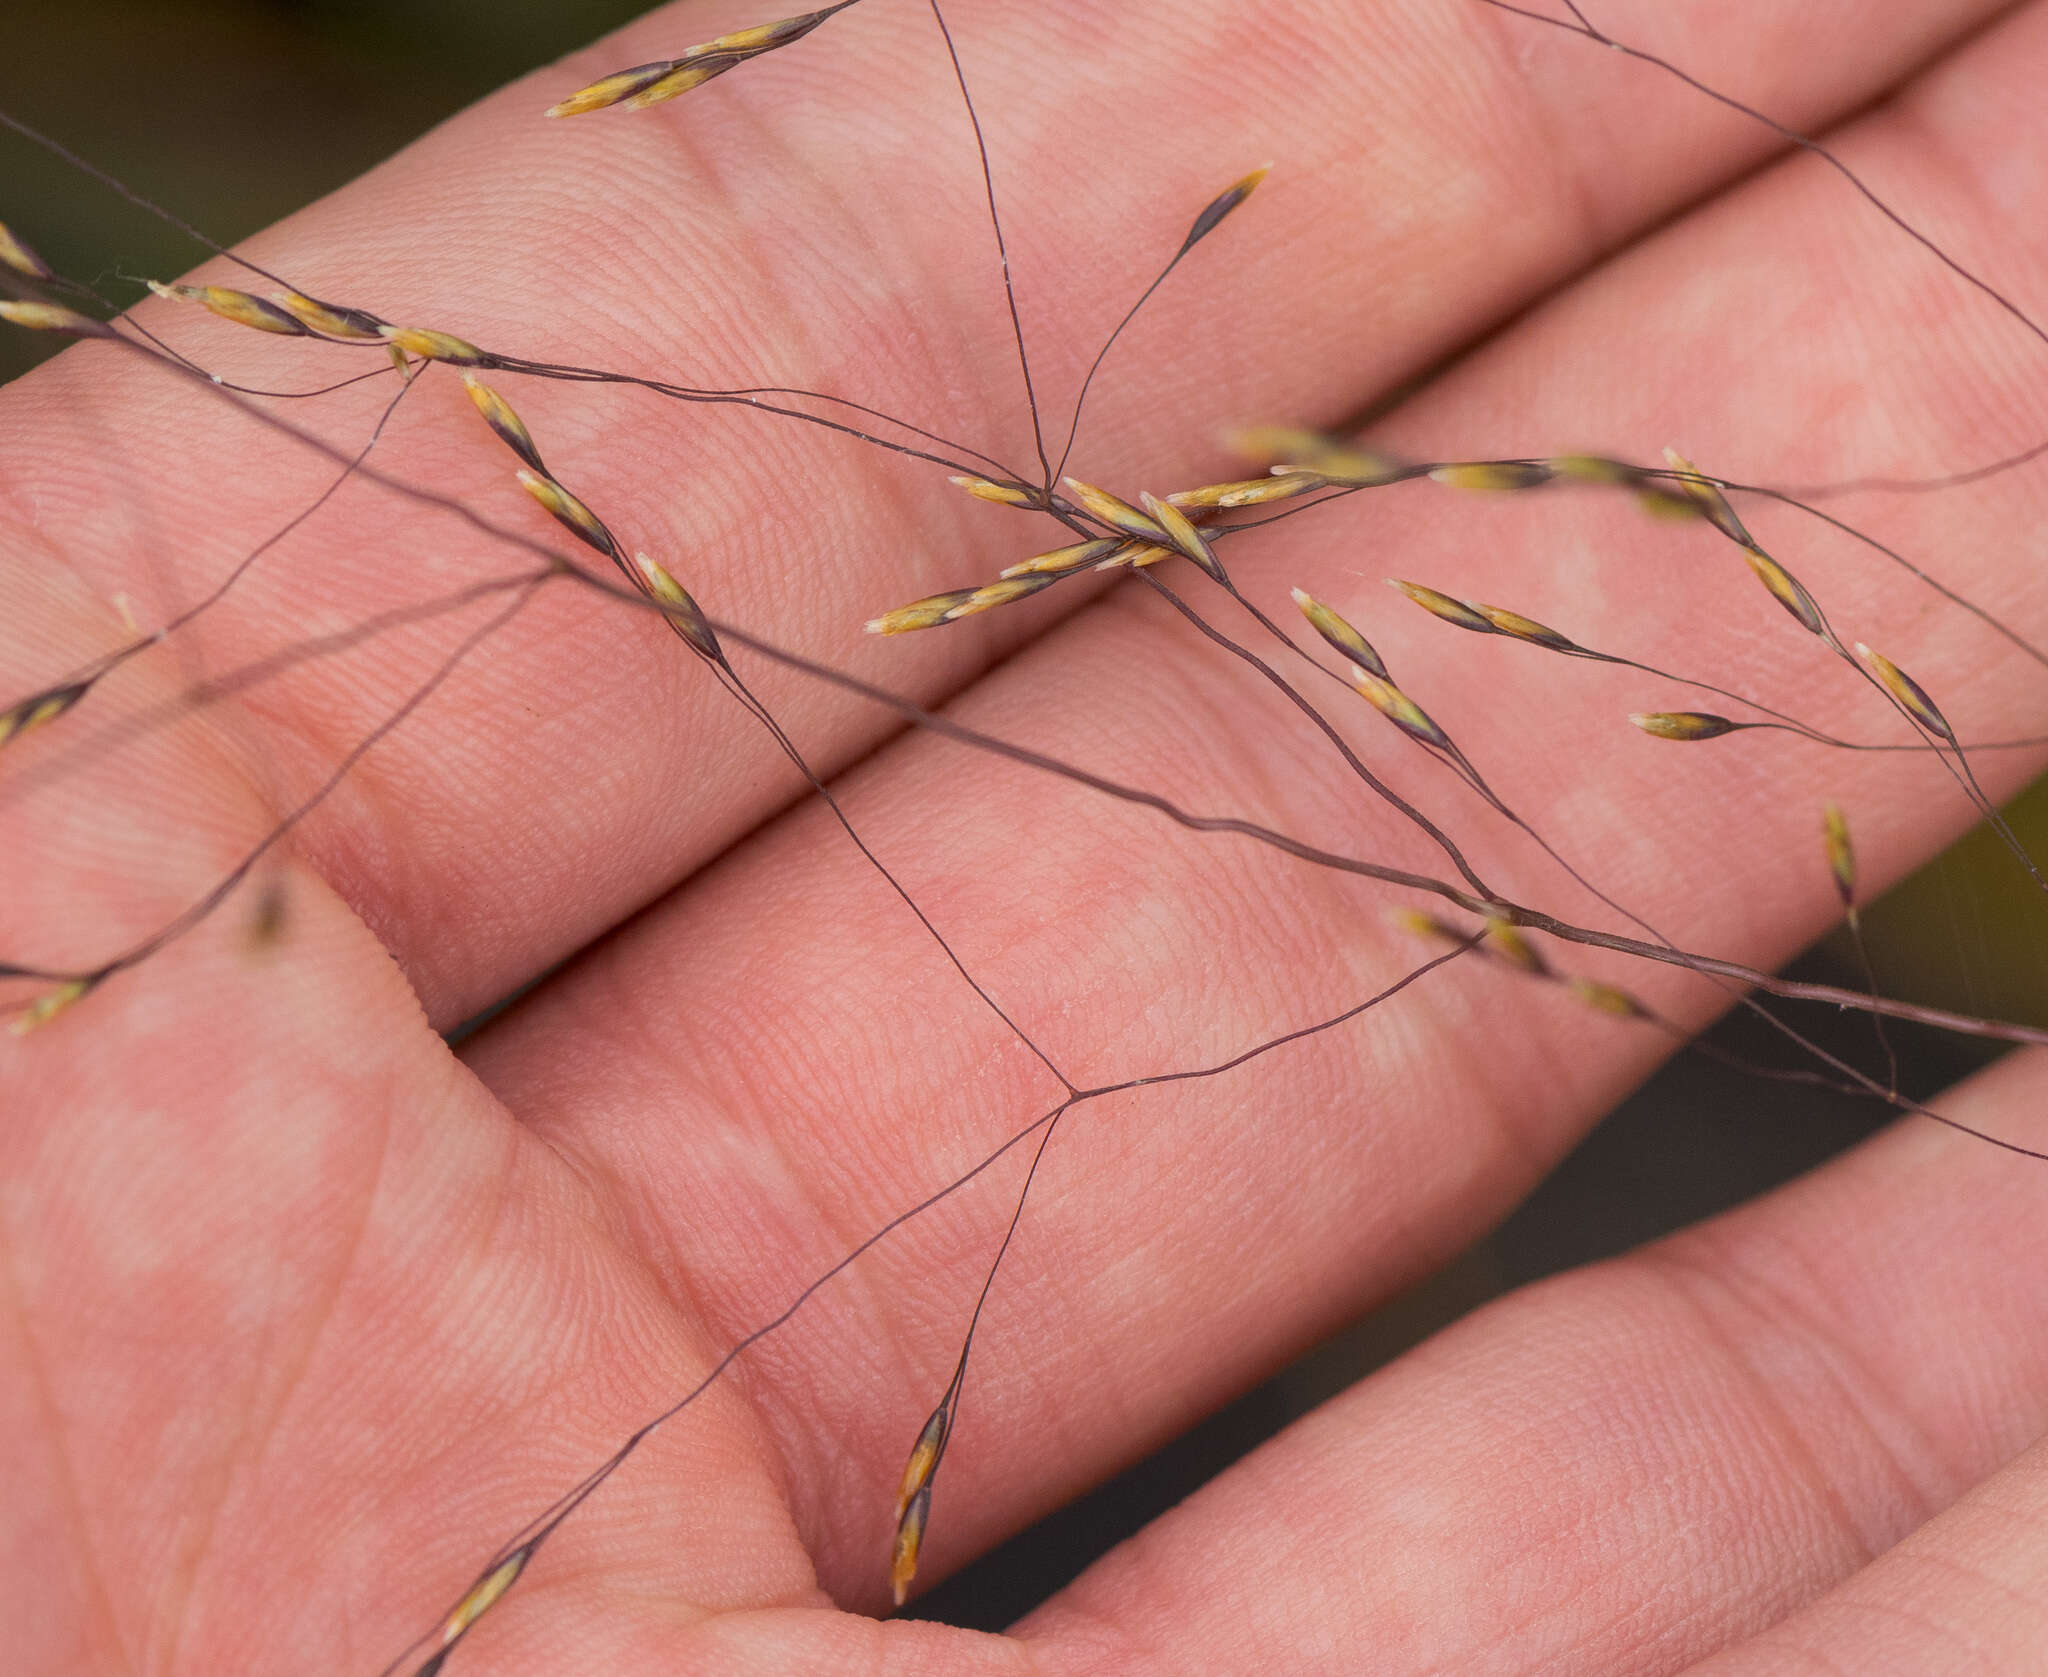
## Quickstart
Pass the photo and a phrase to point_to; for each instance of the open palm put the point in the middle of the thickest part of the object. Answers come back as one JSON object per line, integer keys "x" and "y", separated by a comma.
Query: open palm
{"x": 304, "y": 1313}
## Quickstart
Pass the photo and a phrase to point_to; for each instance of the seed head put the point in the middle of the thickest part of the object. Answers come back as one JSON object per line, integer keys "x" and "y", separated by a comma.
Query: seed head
{"x": 435, "y": 346}
{"x": 16, "y": 255}
{"x": 1683, "y": 724}
{"x": 1493, "y": 477}
{"x": 498, "y": 414}
{"x": 570, "y": 513}
{"x": 1339, "y": 634}
{"x": 1442, "y": 605}
{"x": 1834, "y": 828}
{"x": 243, "y": 308}
{"x": 1912, "y": 697}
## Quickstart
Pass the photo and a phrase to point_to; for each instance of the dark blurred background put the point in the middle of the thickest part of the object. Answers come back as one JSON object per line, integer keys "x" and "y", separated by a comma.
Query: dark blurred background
{"x": 233, "y": 112}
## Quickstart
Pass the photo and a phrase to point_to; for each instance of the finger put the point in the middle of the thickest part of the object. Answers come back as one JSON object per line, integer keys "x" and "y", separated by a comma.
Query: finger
{"x": 1630, "y": 1467}
{"x": 1183, "y": 1241}
{"x": 534, "y": 802}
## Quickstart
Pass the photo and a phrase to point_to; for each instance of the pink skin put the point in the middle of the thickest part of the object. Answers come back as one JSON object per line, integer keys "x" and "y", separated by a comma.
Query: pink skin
{"x": 302, "y": 1313}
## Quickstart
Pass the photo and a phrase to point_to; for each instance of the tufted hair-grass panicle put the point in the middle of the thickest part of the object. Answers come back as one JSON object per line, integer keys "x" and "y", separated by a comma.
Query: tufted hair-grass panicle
{"x": 1501, "y": 917}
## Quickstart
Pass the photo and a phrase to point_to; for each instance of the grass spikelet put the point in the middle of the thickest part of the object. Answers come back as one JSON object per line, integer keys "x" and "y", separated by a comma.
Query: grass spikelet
{"x": 499, "y": 416}
{"x": 53, "y": 317}
{"x": 1000, "y": 593}
{"x": 652, "y": 84}
{"x": 1683, "y": 724}
{"x": 1517, "y": 627}
{"x": 1114, "y": 511}
{"x": 684, "y": 612}
{"x": 1002, "y": 494}
{"x": 909, "y": 1540}
{"x": 16, "y": 255}
{"x": 1834, "y": 826}
{"x": 327, "y": 319}
{"x": 1506, "y": 941}
{"x": 485, "y": 1594}
{"x": 1060, "y": 560}
{"x": 1398, "y": 708}
{"x": 1786, "y": 590}
{"x": 1135, "y": 555}
{"x": 241, "y": 307}
{"x": 1442, "y": 605}
{"x": 613, "y": 89}
{"x": 570, "y": 513}
{"x": 1594, "y": 468}
{"x": 926, "y": 613}
{"x": 1911, "y": 696}
{"x": 1339, "y": 634}
{"x": 434, "y": 346}
{"x": 1181, "y": 532}
{"x": 924, "y": 1456}
{"x": 1696, "y": 487}
{"x": 1252, "y": 492}
{"x": 685, "y": 77}
{"x": 48, "y": 1005}
{"x": 39, "y": 708}
{"x": 1493, "y": 477}
{"x": 1220, "y": 206}
{"x": 1606, "y": 998}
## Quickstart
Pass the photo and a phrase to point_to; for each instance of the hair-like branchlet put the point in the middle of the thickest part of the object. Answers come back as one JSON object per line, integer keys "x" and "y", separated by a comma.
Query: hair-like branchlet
{"x": 1179, "y": 544}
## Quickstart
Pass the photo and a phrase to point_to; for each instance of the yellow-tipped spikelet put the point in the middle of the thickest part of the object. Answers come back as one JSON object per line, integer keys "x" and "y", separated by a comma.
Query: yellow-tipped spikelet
{"x": 1129, "y": 554}
{"x": 1834, "y": 826}
{"x": 1180, "y": 530}
{"x": 1442, "y": 605}
{"x": 613, "y": 89}
{"x": 909, "y": 1540}
{"x": 1061, "y": 560}
{"x": 39, "y": 708}
{"x": 1002, "y": 494}
{"x": 569, "y": 512}
{"x": 924, "y": 1458}
{"x": 1269, "y": 445}
{"x": 1606, "y": 998}
{"x": 1117, "y": 513}
{"x": 434, "y": 346}
{"x": 52, "y": 317}
{"x": 994, "y": 594}
{"x": 1294, "y": 451}
{"x": 1221, "y": 205}
{"x": 764, "y": 37}
{"x": 687, "y": 75}
{"x": 1713, "y": 505}
{"x": 241, "y": 307}
{"x": 1521, "y": 628}
{"x": 1253, "y": 492}
{"x": 1506, "y": 941}
{"x": 1426, "y": 926}
{"x": 326, "y": 319}
{"x": 1398, "y": 708}
{"x": 1493, "y": 477}
{"x": 1683, "y": 724}
{"x": 1339, "y": 633}
{"x": 1593, "y": 468}
{"x": 16, "y": 255}
{"x": 1912, "y": 697}
{"x": 683, "y": 613}
{"x": 498, "y": 415}
{"x": 926, "y": 613}
{"x": 48, "y": 1005}
{"x": 1785, "y": 589}
{"x": 484, "y": 1594}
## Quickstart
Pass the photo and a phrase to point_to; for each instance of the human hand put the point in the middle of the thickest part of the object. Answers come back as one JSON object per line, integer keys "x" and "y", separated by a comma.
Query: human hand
{"x": 306, "y": 1314}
